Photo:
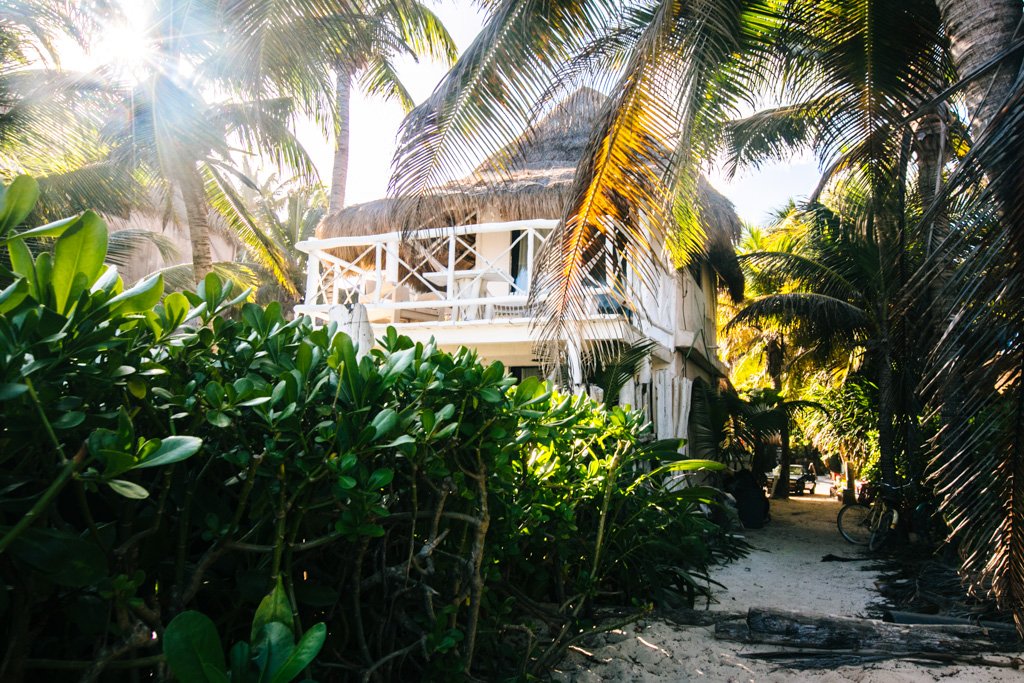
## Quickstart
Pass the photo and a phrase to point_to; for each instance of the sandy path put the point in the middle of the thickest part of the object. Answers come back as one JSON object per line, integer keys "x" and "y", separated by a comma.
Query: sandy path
{"x": 784, "y": 570}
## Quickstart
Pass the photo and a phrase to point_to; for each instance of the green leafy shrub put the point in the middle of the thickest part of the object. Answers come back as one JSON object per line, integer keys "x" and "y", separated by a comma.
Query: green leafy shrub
{"x": 167, "y": 462}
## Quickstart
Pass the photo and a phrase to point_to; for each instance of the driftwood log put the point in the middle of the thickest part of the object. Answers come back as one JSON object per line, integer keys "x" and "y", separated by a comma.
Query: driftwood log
{"x": 792, "y": 629}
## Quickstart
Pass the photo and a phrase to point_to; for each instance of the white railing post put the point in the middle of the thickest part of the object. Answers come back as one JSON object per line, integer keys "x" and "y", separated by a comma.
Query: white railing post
{"x": 451, "y": 266}
{"x": 531, "y": 235}
{"x": 391, "y": 267}
{"x": 312, "y": 276}
{"x": 377, "y": 273}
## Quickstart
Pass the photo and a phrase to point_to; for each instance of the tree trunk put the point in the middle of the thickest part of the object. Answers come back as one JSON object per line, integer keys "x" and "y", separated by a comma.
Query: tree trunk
{"x": 980, "y": 30}
{"x": 197, "y": 211}
{"x": 932, "y": 146}
{"x": 339, "y": 174}
{"x": 779, "y": 627}
{"x": 776, "y": 353}
{"x": 886, "y": 414}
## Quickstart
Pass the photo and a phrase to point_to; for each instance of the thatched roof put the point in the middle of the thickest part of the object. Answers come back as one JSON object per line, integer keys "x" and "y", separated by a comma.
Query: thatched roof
{"x": 535, "y": 183}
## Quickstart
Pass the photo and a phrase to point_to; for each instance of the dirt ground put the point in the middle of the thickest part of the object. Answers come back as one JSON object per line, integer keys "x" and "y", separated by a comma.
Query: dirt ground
{"x": 784, "y": 570}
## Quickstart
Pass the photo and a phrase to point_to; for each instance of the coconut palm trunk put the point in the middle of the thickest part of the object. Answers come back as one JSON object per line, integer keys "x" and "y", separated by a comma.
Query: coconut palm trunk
{"x": 197, "y": 213}
{"x": 775, "y": 359}
{"x": 979, "y": 30}
{"x": 339, "y": 174}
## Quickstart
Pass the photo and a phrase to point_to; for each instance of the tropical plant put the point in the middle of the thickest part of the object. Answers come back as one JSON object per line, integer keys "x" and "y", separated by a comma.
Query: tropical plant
{"x": 193, "y": 650}
{"x": 387, "y": 29}
{"x": 878, "y": 72}
{"x": 159, "y": 471}
{"x": 679, "y": 71}
{"x": 51, "y": 117}
{"x": 972, "y": 377}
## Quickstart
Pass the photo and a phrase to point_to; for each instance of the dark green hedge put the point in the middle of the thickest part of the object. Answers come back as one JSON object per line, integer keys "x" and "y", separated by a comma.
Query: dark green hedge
{"x": 185, "y": 454}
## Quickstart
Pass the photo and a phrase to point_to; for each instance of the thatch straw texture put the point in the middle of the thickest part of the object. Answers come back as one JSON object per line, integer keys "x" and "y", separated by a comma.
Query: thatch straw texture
{"x": 531, "y": 179}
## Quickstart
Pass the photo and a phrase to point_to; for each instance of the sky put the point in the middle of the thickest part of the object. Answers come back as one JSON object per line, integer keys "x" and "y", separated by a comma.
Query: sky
{"x": 375, "y": 124}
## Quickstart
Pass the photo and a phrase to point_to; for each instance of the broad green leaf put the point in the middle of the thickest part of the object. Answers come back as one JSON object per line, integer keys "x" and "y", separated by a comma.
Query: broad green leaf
{"x": 401, "y": 441}
{"x": 137, "y": 387}
{"x": 21, "y": 261}
{"x": 54, "y": 229}
{"x": 128, "y": 489}
{"x": 142, "y": 297}
{"x": 218, "y": 419}
{"x": 380, "y": 478}
{"x": 172, "y": 449}
{"x": 193, "y": 649}
{"x": 43, "y": 274}
{"x": 272, "y": 647}
{"x": 384, "y": 422}
{"x": 214, "y": 674}
{"x": 18, "y": 201}
{"x": 240, "y": 663}
{"x": 490, "y": 395}
{"x": 303, "y": 654}
{"x": 69, "y": 419}
{"x": 63, "y": 558}
{"x": 79, "y": 251}
{"x": 274, "y": 607}
{"x": 108, "y": 281}
{"x": 210, "y": 291}
{"x": 694, "y": 465}
{"x": 176, "y": 307}
{"x": 13, "y": 294}
{"x": 9, "y": 391}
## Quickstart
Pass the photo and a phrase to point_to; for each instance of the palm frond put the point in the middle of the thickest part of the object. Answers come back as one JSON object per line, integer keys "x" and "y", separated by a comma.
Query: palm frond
{"x": 225, "y": 200}
{"x": 619, "y": 197}
{"x": 421, "y": 30}
{"x": 180, "y": 278}
{"x": 808, "y": 315}
{"x": 974, "y": 283}
{"x": 123, "y": 246}
{"x": 769, "y": 135}
{"x": 613, "y": 373}
{"x": 484, "y": 103}
{"x": 380, "y": 79}
{"x": 266, "y": 127}
{"x": 800, "y": 271}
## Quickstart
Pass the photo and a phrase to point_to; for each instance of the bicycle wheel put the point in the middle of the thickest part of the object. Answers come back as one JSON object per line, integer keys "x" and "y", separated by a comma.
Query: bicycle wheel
{"x": 881, "y": 530}
{"x": 854, "y": 523}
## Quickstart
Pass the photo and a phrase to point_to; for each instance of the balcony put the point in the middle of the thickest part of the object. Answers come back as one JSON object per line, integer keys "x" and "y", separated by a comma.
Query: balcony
{"x": 437, "y": 277}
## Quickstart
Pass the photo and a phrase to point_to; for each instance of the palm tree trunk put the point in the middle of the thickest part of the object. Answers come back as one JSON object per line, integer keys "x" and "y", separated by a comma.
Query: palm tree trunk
{"x": 197, "y": 213}
{"x": 775, "y": 358}
{"x": 932, "y": 151}
{"x": 980, "y": 30}
{"x": 339, "y": 174}
{"x": 886, "y": 415}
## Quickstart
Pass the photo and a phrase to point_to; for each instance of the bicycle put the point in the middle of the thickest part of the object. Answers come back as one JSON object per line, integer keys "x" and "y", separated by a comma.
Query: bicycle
{"x": 871, "y": 525}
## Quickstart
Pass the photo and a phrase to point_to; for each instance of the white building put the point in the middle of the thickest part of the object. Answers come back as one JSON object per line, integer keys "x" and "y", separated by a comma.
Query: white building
{"x": 463, "y": 276}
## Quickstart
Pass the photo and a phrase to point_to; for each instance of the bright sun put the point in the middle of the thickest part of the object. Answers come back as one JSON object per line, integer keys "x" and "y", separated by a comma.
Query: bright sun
{"x": 124, "y": 46}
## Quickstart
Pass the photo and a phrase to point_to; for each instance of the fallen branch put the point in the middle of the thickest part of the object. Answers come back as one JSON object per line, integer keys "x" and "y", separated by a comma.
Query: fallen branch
{"x": 792, "y": 629}
{"x": 827, "y": 659}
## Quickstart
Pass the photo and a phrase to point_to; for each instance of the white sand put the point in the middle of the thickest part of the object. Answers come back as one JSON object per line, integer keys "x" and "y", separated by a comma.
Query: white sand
{"x": 785, "y": 571}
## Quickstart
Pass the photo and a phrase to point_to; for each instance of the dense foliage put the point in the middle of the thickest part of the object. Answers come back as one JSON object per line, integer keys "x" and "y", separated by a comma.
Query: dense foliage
{"x": 177, "y": 459}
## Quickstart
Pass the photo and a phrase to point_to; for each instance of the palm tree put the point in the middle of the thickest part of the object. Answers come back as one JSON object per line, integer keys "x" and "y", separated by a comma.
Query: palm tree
{"x": 976, "y": 462}
{"x": 286, "y": 212}
{"x": 679, "y": 70}
{"x": 50, "y": 118}
{"x": 981, "y": 34}
{"x": 389, "y": 29}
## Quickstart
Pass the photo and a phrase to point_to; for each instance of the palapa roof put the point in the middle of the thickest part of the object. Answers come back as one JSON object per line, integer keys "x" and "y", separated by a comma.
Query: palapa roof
{"x": 536, "y": 178}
